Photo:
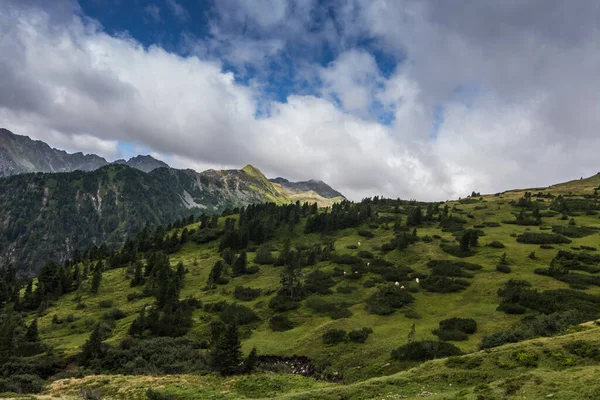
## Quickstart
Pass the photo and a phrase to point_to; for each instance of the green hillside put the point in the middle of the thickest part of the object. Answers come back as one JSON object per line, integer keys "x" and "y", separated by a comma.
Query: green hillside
{"x": 357, "y": 289}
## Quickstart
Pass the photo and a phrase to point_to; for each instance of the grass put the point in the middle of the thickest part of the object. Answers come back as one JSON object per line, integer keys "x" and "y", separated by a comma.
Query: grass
{"x": 503, "y": 372}
{"x": 355, "y": 362}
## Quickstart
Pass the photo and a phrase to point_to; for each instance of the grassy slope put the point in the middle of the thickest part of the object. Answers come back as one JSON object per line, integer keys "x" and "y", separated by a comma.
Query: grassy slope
{"x": 492, "y": 374}
{"x": 355, "y": 361}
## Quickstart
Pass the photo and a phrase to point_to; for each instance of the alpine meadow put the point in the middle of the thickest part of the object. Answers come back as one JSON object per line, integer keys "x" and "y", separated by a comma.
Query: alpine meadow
{"x": 299, "y": 199}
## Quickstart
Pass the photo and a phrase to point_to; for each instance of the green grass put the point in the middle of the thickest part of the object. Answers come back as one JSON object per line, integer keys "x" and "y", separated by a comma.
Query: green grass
{"x": 532, "y": 369}
{"x": 355, "y": 362}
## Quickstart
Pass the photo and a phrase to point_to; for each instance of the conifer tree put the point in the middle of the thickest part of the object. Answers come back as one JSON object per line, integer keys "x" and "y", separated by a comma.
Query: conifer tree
{"x": 96, "y": 279}
{"x": 94, "y": 348}
{"x": 226, "y": 357}
{"x": 32, "y": 334}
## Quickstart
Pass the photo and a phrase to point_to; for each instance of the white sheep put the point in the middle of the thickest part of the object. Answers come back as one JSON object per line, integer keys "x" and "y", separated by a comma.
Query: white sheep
{"x": 397, "y": 283}
{"x": 417, "y": 280}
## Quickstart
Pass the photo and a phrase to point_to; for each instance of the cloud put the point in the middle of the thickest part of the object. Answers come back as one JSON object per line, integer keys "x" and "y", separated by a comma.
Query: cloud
{"x": 178, "y": 10}
{"x": 153, "y": 11}
{"x": 519, "y": 96}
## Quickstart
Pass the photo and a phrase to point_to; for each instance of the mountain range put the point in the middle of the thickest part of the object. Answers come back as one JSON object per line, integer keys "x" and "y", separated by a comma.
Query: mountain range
{"x": 52, "y": 202}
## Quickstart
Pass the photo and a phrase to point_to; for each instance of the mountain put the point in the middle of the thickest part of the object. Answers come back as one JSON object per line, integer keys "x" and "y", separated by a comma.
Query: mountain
{"x": 20, "y": 154}
{"x": 319, "y": 187}
{"x": 46, "y": 215}
{"x": 487, "y": 297}
{"x": 144, "y": 163}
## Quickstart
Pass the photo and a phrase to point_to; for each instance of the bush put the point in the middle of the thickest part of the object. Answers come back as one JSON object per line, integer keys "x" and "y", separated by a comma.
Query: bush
{"x": 106, "y": 304}
{"x": 496, "y": 245}
{"x": 245, "y": 293}
{"x": 280, "y": 323}
{"x": 450, "y": 335}
{"x": 387, "y": 299}
{"x": 455, "y": 250}
{"x": 503, "y": 268}
{"x": 366, "y": 254}
{"x": 588, "y": 248}
{"x": 334, "y": 336}
{"x": 115, "y": 315}
{"x": 511, "y": 308}
{"x": 283, "y": 303}
{"x": 425, "y": 350}
{"x": 345, "y": 289}
{"x": 542, "y": 238}
{"x": 491, "y": 224}
{"x": 21, "y": 384}
{"x": 466, "y": 325}
{"x": 583, "y": 349}
{"x": 359, "y": 335}
{"x": 365, "y": 233}
{"x": 238, "y": 315}
{"x": 464, "y": 362}
{"x": 352, "y": 247}
{"x": 318, "y": 282}
{"x": 525, "y": 358}
{"x": 134, "y": 296}
{"x": 546, "y": 247}
{"x": 346, "y": 259}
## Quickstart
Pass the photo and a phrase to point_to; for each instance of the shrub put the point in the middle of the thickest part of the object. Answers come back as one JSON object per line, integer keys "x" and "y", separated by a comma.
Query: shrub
{"x": 359, "y": 335}
{"x": 345, "y": 289}
{"x": 542, "y": 238}
{"x": 496, "y": 245}
{"x": 455, "y": 250}
{"x": 21, "y": 384}
{"x": 283, "y": 303}
{"x": 525, "y": 358}
{"x": 588, "y": 248}
{"x": 424, "y": 350}
{"x": 511, "y": 308}
{"x": 115, "y": 315}
{"x": 134, "y": 296}
{"x": 503, "y": 268}
{"x": 245, "y": 293}
{"x": 264, "y": 256}
{"x": 106, "y": 304}
{"x": 387, "y": 299}
{"x": 318, "y": 282}
{"x": 340, "y": 313}
{"x": 280, "y": 323}
{"x": 334, "y": 336}
{"x": 365, "y": 233}
{"x": 450, "y": 335}
{"x": 491, "y": 224}
{"x": 573, "y": 231}
{"x": 346, "y": 259}
{"x": 352, "y": 247}
{"x": 238, "y": 315}
{"x": 546, "y": 247}
{"x": 466, "y": 325}
{"x": 366, "y": 254}
{"x": 583, "y": 349}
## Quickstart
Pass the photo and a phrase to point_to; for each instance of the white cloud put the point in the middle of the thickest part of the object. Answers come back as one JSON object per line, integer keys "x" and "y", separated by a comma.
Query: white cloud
{"x": 153, "y": 11}
{"x": 178, "y": 10}
{"x": 533, "y": 123}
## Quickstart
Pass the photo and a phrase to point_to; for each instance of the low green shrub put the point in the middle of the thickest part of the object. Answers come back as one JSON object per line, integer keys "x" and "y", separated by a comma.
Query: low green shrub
{"x": 280, "y": 323}
{"x": 334, "y": 336}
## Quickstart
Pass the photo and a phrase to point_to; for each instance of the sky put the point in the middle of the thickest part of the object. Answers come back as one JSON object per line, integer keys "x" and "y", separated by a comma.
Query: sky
{"x": 417, "y": 99}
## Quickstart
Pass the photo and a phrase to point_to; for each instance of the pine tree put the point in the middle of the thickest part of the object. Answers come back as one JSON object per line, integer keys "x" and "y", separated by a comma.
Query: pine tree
{"x": 251, "y": 361}
{"x": 239, "y": 266}
{"x": 226, "y": 357}
{"x": 96, "y": 279}
{"x": 32, "y": 334}
{"x": 94, "y": 348}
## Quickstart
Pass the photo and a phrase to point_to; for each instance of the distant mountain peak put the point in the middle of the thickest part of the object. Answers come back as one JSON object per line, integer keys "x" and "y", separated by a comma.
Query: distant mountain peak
{"x": 317, "y": 186}
{"x": 146, "y": 163}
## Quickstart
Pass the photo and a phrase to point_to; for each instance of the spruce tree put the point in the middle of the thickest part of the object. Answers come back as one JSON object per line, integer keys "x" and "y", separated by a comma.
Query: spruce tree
{"x": 96, "y": 279}
{"x": 226, "y": 357}
{"x": 93, "y": 348}
{"x": 32, "y": 334}
{"x": 239, "y": 266}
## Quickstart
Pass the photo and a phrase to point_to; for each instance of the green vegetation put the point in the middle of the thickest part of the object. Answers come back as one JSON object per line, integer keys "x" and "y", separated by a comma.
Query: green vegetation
{"x": 363, "y": 291}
